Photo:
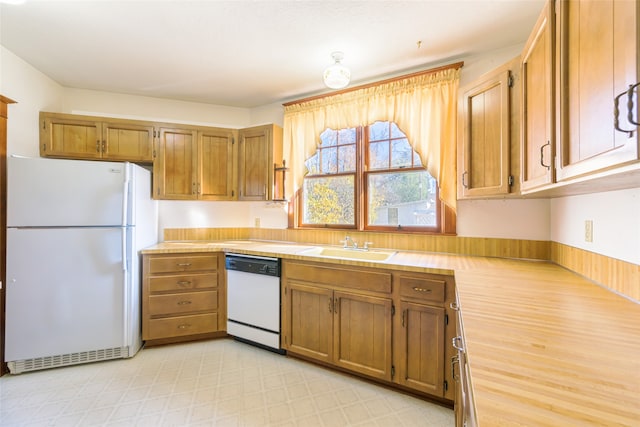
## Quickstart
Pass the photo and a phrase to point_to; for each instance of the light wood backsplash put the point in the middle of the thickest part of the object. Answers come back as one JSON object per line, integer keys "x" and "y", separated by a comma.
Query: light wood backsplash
{"x": 504, "y": 248}
{"x": 619, "y": 276}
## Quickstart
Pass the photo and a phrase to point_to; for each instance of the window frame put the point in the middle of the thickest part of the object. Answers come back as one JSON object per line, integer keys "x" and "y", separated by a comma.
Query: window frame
{"x": 445, "y": 217}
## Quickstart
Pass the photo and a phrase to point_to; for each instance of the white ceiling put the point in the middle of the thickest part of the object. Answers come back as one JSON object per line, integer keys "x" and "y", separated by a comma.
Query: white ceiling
{"x": 250, "y": 53}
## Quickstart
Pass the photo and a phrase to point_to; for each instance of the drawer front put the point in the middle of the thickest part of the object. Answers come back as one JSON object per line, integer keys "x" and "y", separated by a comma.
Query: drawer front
{"x": 181, "y": 326}
{"x": 423, "y": 288}
{"x": 183, "y": 282}
{"x": 358, "y": 279}
{"x": 180, "y": 263}
{"x": 187, "y": 302}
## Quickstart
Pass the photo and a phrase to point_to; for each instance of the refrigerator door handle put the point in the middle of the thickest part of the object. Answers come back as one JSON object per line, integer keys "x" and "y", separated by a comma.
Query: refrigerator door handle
{"x": 125, "y": 254}
{"x": 125, "y": 196}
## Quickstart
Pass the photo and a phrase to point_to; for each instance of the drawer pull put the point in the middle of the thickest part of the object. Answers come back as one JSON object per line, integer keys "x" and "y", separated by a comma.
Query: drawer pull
{"x": 184, "y": 326}
{"x": 184, "y": 283}
{"x": 184, "y": 302}
{"x": 417, "y": 289}
{"x": 184, "y": 264}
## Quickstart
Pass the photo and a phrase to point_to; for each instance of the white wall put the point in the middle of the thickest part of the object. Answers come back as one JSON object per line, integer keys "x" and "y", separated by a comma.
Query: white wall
{"x": 616, "y": 223}
{"x": 96, "y": 103}
{"x": 508, "y": 219}
{"x": 33, "y": 92}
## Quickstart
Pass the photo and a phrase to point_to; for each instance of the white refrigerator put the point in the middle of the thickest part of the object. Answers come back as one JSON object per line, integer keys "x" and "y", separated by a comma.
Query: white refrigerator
{"x": 74, "y": 229}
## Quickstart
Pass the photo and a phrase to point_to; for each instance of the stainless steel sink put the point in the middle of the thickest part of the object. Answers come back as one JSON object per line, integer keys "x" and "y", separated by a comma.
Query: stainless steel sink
{"x": 346, "y": 253}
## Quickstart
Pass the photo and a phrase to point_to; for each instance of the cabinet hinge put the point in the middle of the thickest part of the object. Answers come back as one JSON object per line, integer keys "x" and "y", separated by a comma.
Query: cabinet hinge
{"x": 510, "y": 81}
{"x": 44, "y": 147}
{"x": 285, "y": 291}
{"x": 445, "y": 385}
{"x": 446, "y": 319}
{"x": 510, "y": 180}
{"x": 233, "y": 193}
{"x": 393, "y": 371}
{"x": 233, "y": 140}
{"x": 44, "y": 124}
{"x": 393, "y": 310}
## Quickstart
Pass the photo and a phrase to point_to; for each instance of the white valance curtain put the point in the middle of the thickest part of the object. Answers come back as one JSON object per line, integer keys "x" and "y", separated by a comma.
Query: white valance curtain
{"x": 423, "y": 106}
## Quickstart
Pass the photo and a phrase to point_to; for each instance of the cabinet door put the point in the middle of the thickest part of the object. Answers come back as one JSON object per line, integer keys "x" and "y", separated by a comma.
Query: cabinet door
{"x": 485, "y": 139}
{"x": 216, "y": 161}
{"x": 70, "y": 138}
{"x": 362, "y": 334}
{"x": 130, "y": 142}
{"x": 422, "y": 351}
{"x": 309, "y": 330}
{"x": 597, "y": 60}
{"x": 255, "y": 164}
{"x": 174, "y": 170}
{"x": 538, "y": 109}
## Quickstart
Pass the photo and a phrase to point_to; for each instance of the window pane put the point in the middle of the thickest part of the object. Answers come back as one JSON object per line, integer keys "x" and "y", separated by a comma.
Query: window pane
{"x": 329, "y": 200}
{"x": 406, "y": 199}
{"x": 328, "y": 138}
{"x": 347, "y": 158}
{"x": 347, "y": 136}
{"x": 396, "y": 132}
{"x": 312, "y": 164}
{"x": 401, "y": 153}
{"x": 379, "y": 131}
{"x": 329, "y": 160}
{"x": 379, "y": 155}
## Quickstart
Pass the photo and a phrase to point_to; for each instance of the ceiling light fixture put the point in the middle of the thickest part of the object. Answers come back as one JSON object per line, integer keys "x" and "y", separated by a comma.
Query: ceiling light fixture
{"x": 337, "y": 75}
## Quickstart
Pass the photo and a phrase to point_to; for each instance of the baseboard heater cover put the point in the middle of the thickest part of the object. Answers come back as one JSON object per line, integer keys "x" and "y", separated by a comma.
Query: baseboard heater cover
{"x": 69, "y": 359}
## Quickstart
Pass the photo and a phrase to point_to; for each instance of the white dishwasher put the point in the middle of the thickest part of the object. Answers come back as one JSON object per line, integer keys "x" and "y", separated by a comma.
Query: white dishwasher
{"x": 253, "y": 300}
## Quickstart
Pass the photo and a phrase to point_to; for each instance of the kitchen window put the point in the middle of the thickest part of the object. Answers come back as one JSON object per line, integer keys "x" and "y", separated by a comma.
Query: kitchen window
{"x": 368, "y": 178}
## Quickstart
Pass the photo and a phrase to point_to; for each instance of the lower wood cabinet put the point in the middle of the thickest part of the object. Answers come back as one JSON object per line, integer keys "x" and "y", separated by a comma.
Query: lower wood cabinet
{"x": 422, "y": 353}
{"x": 387, "y": 325}
{"x": 346, "y": 329}
{"x": 183, "y": 297}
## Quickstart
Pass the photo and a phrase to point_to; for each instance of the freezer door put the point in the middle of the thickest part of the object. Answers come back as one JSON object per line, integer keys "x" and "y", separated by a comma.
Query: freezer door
{"x": 56, "y": 192}
{"x": 65, "y": 291}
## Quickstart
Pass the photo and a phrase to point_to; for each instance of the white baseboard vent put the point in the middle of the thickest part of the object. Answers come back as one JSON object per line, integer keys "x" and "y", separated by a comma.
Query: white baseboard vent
{"x": 26, "y": 365}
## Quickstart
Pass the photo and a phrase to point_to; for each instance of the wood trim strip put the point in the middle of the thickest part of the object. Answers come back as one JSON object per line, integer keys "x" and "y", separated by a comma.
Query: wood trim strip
{"x": 619, "y": 276}
{"x": 505, "y": 248}
{"x": 455, "y": 65}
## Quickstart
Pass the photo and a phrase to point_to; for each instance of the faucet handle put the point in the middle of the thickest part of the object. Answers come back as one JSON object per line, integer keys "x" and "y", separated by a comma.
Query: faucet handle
{"x": 346, "y": 241}
{"x": 367, "y": 245}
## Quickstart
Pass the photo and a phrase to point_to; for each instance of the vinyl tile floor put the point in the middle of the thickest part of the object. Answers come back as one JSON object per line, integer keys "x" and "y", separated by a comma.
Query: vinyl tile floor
{"x": 208, "y": 383}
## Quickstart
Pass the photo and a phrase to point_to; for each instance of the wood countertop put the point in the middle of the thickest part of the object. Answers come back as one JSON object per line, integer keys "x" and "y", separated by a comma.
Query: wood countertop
{"x": 545, "y": 346}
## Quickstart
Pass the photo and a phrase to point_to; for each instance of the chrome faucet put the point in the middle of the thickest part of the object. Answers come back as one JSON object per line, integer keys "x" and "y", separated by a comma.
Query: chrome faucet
{"x": 349, "y": 243}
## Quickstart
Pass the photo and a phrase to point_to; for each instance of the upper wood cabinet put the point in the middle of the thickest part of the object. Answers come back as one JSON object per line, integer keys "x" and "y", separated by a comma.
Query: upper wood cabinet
{"x": 195, "y": 164}
{"x": 260, "y": 148}
{"x": 597, "y": 50}
{"x": 93, "y": 138}
{"x": 538, "y": 139}
{"x": 174, "y": 171}
{"x": 484, "y": 140}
